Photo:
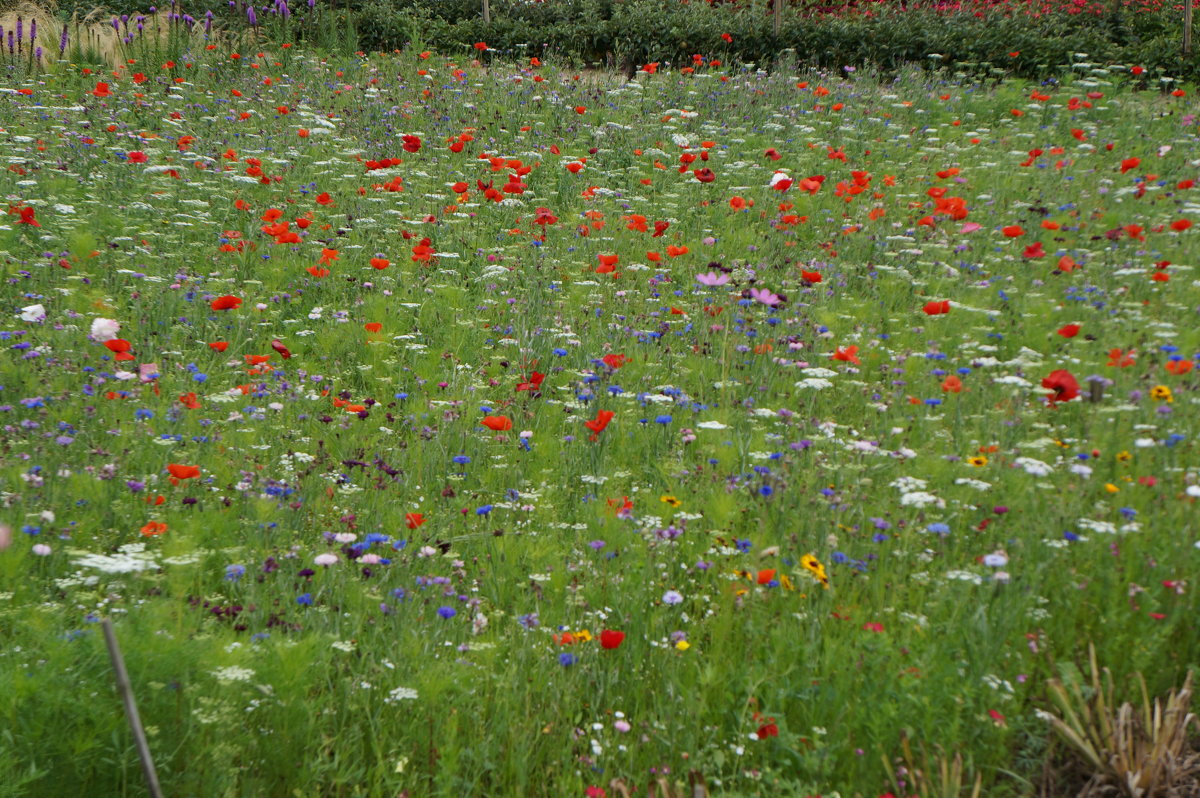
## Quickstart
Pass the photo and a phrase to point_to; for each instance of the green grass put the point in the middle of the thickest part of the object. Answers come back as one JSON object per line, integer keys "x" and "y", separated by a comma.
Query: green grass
{"x": 772, "y": 448}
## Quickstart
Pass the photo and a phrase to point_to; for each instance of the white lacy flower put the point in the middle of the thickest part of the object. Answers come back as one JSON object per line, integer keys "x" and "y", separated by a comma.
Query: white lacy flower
{"x": 1035, "y": 467}
{"x": 233, "y": 674}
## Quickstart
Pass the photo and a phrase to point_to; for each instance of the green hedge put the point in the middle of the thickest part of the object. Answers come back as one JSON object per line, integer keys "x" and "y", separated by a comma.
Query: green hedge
{"x": 641, "y": 31}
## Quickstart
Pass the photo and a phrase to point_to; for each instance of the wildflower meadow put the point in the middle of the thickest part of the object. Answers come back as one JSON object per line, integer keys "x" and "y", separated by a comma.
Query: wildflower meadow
{"x": 463, "y": 423}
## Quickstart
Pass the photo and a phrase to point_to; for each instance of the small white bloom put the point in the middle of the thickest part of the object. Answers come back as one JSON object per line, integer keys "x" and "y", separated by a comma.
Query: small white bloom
{"x": 33, "y": 313}
{"x": 105, "y": 329}
{"x": 325, "y": 559}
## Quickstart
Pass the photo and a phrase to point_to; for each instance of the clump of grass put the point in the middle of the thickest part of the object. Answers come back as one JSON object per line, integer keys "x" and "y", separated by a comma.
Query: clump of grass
{"x": 1142, "y": 751}
{"x": 943, "y": 776}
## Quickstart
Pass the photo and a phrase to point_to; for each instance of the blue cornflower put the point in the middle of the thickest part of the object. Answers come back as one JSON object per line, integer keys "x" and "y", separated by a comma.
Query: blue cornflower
{"x": 447, "y": 612}
{"x": 567, "y": 659}
{"x": 234, "y": 572}
{"x": 304, "y": 600}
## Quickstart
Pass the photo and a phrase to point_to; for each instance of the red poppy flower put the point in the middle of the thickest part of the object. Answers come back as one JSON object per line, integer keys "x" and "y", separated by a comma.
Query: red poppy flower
{"x": 812, "y": 277}
{"x": 183, "y": 471}
{"x": 615, "y": 361}
{"x": 1179, "y": 225}
{"x": 937, "y": 308}
{"x": 765, "y": 576}
{"x": 705, "y": 175}
{"x": 26, "y": 214}
{"x": 497, "y": 423}
{"x": 413, "y": 520}
{"x": 226, "y": 303}
{"x": 137, "y": 156}
{"x": 611, "y": 639}
{"x": 952, "y": 384}
{"x": 773, "y": 154}
{"x": 1130, "y": 163}
{"x": 768, "y": 730}
{"x": 101, "y": 90}
{"x": 848, "y": 354}
{"x": 278, "y": 346}
{"x": 324, "y": 199}
{"x": 220, "y": 346}
{"x": 1069, "y": 330}
{"x": 1063, "y": 384}
{"x": 372, "y": 326}
{"x": 1013, "y": 231}
{"x": 535, "y": 382}
{"x": 598, "y": 424}
{"x": 607, "y": 264}
{"x": 1121, "y": 359}
{"x": 153, "y": 528}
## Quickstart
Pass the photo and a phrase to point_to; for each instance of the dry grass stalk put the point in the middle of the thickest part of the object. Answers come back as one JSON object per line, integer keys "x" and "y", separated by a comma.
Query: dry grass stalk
{"x": 943, "y": 777}
{"x": 662, "y": 788}
{"x": 1138, "y": 752}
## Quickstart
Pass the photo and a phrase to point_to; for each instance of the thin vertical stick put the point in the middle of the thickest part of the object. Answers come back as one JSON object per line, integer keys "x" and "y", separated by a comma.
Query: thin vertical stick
{"x": 1187, "y": 28}
{"x": 487, "y": 12}
{"x": 131, "y": 713}
{"x": 778, "y": 9}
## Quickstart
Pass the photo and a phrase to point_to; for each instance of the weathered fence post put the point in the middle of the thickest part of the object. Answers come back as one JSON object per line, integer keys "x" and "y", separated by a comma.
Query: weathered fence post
{"x": 487, "y": 12}
{"x": 778, "y": 9}
{"x": 131, "y": 713}
{"x": 1187, "y": 28}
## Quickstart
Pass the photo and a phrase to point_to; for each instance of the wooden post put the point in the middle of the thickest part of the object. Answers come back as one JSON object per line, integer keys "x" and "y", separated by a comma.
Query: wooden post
{"x": 1187, "y": 28}
{"x": 487, "y": 12}
{"x": 131, "y": 713}
{"x": 778, "y": 9}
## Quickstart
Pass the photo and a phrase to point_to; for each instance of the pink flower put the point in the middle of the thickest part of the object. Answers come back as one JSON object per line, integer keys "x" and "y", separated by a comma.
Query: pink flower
{"x": 765, "y": 296}
{"x": 325, "y": 559}
{"x": 970, "y": 227}
{"x": 712, "y": 279}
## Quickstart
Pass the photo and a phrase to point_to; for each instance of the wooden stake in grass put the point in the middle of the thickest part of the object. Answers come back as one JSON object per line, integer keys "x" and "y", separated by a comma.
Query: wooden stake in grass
{"x": 135, "y": 722}
{"x": 487, "y": 12}
{"x": 1187, "y": 29}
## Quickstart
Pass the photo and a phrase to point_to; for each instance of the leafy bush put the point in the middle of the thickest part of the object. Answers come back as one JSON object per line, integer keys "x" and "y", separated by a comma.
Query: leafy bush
{"x": 642, "y": 31}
